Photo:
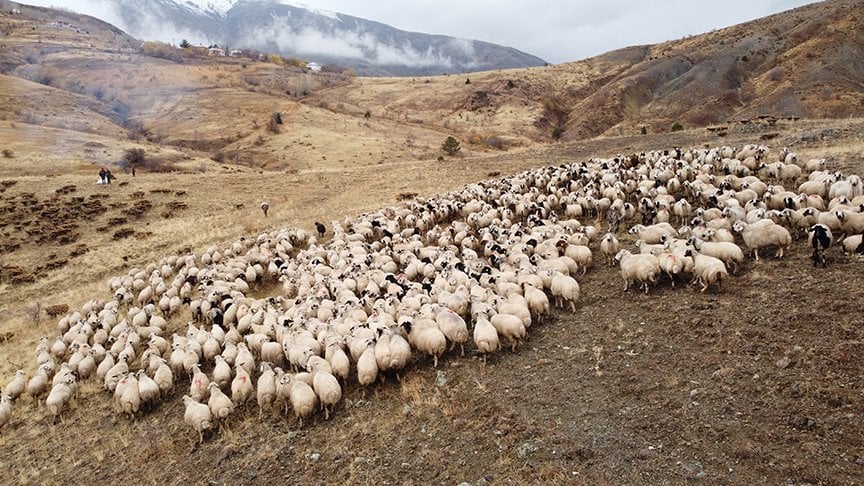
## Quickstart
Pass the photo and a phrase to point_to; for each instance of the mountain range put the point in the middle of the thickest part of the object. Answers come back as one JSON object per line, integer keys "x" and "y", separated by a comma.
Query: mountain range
{"x": 291, "y": 29}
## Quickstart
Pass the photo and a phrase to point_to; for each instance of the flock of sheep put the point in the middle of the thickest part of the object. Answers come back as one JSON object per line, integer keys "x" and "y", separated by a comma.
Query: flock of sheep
{"x": 474, "y": 268}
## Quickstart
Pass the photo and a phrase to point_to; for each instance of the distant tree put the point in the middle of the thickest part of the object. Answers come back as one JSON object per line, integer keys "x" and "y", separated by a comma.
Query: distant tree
{"x": 467, "y": 80}
{"x": 275, "y": 121}
{"x": 450, "y": 146}
{"x": 185, "y": 44}
{"x": 134, "y": 156}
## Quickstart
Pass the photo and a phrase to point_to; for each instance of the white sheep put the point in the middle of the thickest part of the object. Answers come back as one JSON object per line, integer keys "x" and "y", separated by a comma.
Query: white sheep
{"x": 164, "y": 377}
{"x": 60, "y": 396}
{"x": 304, "y": 401}
{"x": 485, "y": 336}
{"x": 37, "y": 386}
{"x": 130, "y": 398}
{"x": 538, "y": 303}
{"x": 199, "y": 385}
{"x": 643, "y": 268}
{"x": 609, "y": 248}
{"x": 850, "y": 223}
{"x": 763, "y": 234}
{"x": 426, "y": 338}
{"x": 197, "y": 416}
{"x": 6, "y": 403}
{"x": 265, "y": 391}
{"x": 367, "y": 364}
{"x": 453, "y": 326}
{"x": 730, "y": 253}
{"x": 221, "y": 407}
{"x": 654, "y": 233}
{"x": 241, "y": 386}
{"x": 148, "y": 390}
{"x": 327, "y": 387}
{"x": 708, "y": 270}
{"x": 853, "y": 244}
{"x": 565, "y": 289}
{"x": 17, "y": 385}
{"x": 509, "y": 327}
{"x": 673, "y": 264}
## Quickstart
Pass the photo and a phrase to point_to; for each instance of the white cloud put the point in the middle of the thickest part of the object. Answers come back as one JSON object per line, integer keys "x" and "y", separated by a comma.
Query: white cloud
{"x": 556, "y": 30}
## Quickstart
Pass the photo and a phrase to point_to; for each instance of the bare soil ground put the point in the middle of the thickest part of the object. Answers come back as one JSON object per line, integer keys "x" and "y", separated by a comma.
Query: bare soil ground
{"x": 759, "y": 382}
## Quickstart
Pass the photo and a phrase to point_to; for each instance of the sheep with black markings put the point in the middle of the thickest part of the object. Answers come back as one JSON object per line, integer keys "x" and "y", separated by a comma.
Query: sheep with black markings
{"x": 820, "y": 238}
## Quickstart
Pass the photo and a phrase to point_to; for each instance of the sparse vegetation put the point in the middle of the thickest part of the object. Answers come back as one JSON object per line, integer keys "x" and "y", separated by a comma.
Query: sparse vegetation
{"x": 185, "y": 44}
{"x": 8, "y": 153}
{"x": 677, "y": 127}
{"x": 451, "y": 146}
{"x": 134, "y": 157}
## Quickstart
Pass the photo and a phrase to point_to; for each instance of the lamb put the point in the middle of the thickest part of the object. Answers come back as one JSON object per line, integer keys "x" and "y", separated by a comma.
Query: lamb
{"x": 707, "y": 269}
{"x": 820, "y": 238}
{"x": 17, "y": 385}
{"x": 763, "y": 234}
{"x": 197, "y": 416}
{"x": 6, "y": 402}
{"x": 642, "y": 268}
{"x": 730, "y": 253}
{"x": 609, "y": 248}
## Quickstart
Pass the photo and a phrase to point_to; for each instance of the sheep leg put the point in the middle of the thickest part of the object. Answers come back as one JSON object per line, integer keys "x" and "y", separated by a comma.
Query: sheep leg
{"x": 462, "y": 348}
{"x": 756, "y": 253}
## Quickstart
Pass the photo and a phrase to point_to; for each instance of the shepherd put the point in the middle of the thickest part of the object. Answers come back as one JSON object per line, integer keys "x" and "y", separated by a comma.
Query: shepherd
{"x": 265, "y": 207}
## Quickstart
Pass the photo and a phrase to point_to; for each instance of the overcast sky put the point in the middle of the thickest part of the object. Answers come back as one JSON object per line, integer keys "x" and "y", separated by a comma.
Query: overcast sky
{"x": 555, "y": 30}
